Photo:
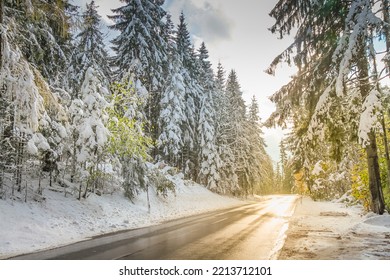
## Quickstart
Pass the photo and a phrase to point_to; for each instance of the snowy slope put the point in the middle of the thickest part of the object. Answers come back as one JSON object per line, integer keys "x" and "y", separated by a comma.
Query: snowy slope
{"x": 33, "y": 226}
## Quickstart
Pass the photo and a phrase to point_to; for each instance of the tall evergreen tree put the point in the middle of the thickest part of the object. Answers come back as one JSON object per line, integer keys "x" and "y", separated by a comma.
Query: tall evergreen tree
{"x": 258, "y": 160}
{"x": 27, "y": 108}
{"x": 42, "y": 33}
{"x": 220, "y": 103}
{"x": 141, "y": 49}
{"x": 184, "y": 46}
{"x": 89, "y": 52}
{"x": 128, "y": 143}
{"x": 172, "y": 116}
{"x": 89, "y": 132}
{"x": 236, "y": 133}
{"x": 185, "y": 51}
{"x": 209, "y": 160}
{"x": 88, "y": 81}
{"x": 228, "y": 179}
{"x": 331, "y": 42}
{"x": 220, "y": 78}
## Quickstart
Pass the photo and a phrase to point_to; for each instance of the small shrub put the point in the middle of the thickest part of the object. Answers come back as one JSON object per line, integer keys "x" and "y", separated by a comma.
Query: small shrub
{"x": 161, "y": 183}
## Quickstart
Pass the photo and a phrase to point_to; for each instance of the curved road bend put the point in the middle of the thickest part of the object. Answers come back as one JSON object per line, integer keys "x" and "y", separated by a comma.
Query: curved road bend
{"x": 255, "y": 230}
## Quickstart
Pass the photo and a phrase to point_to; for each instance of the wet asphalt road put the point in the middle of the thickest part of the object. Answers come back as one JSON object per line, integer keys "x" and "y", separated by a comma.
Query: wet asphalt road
{"x": 252, "y": 231}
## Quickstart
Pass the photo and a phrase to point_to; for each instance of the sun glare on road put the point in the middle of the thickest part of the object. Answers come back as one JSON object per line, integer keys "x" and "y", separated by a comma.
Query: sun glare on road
{"x": 281, "y": 206}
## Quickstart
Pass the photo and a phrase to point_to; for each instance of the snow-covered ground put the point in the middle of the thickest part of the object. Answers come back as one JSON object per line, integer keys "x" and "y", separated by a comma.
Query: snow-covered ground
{"x": 33, "y": 226}
{"x": 331, "y": 230}
{"x": 317, "y": 230}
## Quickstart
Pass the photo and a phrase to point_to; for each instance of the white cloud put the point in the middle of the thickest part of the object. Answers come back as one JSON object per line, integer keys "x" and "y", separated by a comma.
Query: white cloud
{"x": 205, "y": 19}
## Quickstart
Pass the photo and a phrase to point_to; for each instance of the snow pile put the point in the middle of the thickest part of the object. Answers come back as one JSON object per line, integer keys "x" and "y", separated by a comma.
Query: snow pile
{"x": 331, "y": 230}
{"x": 379, "y": 221}
{"x": 375, "y": 223}
{"x": 33, "y": 226}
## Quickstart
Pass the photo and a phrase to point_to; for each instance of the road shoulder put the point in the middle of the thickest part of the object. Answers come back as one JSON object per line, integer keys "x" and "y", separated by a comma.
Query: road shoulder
{"x": 331, "y": 231}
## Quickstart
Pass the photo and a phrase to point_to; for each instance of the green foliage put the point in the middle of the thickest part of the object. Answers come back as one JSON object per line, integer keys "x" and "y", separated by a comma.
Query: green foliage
{"x": 97, "y": 179}
{"x": 42, "y": 33}
{"x": 328, "y": 180}
{"x": 359, "y": 177}
{"x": 286, "y": 182}
{"x": 383, "y": 166}
{"x": 127, "y": 138}
{"x": 161, "y": 183}
{"x": 386, "y": 195}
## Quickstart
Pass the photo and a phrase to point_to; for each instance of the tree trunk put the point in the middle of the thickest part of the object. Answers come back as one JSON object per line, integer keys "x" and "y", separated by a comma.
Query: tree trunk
{"x": 1, "y": 34}
{"x": 375, "y": 187}
{"x": 74, "y": 160}
{"x": 383, "y": 123}
{"x": 386, "y": 19}
{"x": 39, "y": 180}
{"x": 80, "y": 189}
{"x": 147, "y": 195}
{"x": 19, "y": 161}
{"x": 377, "y": 201}
{"x": 386, "y": 144}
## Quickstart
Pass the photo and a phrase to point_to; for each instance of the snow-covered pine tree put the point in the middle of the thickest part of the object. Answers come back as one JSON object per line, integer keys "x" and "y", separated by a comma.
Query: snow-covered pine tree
{"x": 353, "y": 71}
{"x": 52, "y": 132}
{"x": 172, "y": 116}
{"x": 185, "y": 50}
{"x": 42, "y": 34}
{"x": 88, "y": 81}
{"x": 140, "y": 48}
{"x": 89, "y": 132}
{"x": 331, "y": 43}
{"x": 128, "y": 143}
{"x": 184, "y": 46}
{"x": 371, "y": 97}
{"x": 234, "y": 97}
{"x": 168, "y": 34}
{"x": 235, "y": 130}
{"x": 220, "y": 103}
{"x": 258, "y": 160}
{"x": 172, "y": 104}
{"x": 296, "y": 101}
{"x": 140, "y": 24}
{"x": 227, "y": 170}
{"x": 89, "y": 52}
{"x": 220, "y": 100}
{"x": 26, "y": 104}
{"x": 41, "y": 31}
{"x": 209, "y": 160}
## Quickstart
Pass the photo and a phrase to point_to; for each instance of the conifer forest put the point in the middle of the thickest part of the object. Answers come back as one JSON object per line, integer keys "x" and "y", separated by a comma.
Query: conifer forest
{"x": 91, "y": 118}
{"x": 79, "y": 115}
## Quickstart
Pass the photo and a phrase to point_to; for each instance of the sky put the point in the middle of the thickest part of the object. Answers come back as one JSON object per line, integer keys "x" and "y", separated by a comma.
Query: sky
{"x": 236, "y": 34}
